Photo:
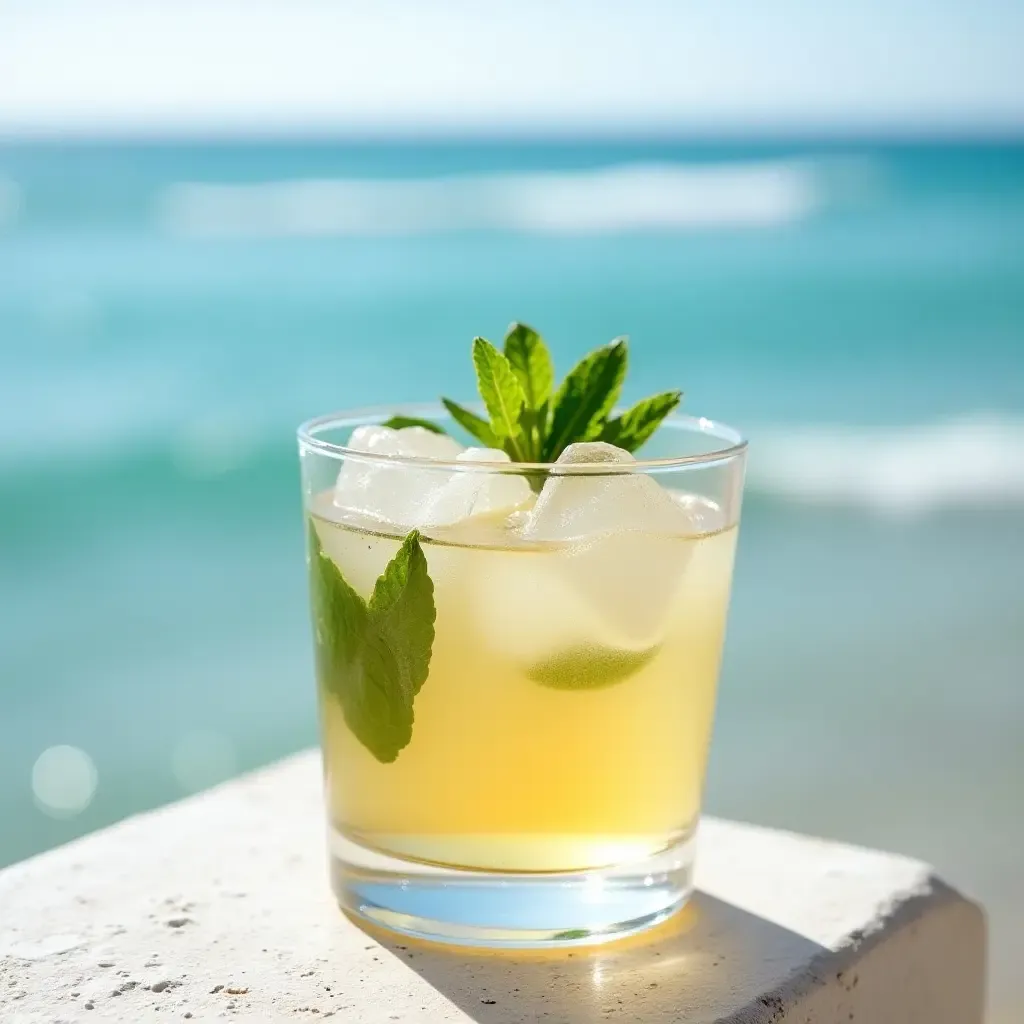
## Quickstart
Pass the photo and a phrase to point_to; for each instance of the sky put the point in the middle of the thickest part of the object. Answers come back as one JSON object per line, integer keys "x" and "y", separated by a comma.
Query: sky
{"x": 443, "y": 66}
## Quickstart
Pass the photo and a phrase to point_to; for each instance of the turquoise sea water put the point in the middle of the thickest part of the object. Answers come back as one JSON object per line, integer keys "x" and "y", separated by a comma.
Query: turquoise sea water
{"x": 168, "y": 313}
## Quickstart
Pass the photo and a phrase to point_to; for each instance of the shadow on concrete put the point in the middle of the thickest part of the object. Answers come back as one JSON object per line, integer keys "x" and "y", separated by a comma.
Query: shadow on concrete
{"x": 711, "y": 962}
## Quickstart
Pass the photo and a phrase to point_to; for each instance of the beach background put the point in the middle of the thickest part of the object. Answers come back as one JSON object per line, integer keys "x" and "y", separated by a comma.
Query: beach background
{"x": 172, "y": 307}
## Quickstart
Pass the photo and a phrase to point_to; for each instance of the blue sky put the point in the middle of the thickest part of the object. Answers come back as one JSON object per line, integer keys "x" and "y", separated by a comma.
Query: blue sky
{"x": 160, "y": 66}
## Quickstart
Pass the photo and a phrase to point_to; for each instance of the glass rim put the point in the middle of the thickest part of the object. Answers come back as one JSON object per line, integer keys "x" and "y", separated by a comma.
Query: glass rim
{"x": 734, "y": 444}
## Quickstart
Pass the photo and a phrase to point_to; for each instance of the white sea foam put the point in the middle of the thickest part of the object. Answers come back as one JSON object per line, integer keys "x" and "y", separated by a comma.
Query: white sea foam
{"x": 630, "y": 197}
{"x": 968, "y": 462}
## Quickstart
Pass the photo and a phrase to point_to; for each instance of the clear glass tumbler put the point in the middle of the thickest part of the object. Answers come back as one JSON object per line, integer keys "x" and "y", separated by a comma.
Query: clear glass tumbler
{"x": 516, "y": 670}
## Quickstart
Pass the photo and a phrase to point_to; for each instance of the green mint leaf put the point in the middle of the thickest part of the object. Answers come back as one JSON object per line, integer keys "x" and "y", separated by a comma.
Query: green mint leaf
{"x": 586, "y": 397}
{"x": 402, "y": 610}
{"x": 531, "y": 363}
{"x": 502, "y": 394}
{"x": 590, "y": 668}
{"x": 636, "y": 425}
{"x": 339, "y": 617}
{"x": 375, "y": 708}
{"x": 398, "y": 422}
{"x": 472, "y": 424}
{"x": 374, "y": 657}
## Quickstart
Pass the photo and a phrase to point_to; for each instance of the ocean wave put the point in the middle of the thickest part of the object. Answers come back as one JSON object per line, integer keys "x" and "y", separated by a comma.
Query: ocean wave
{"x": 630, "y": 197}
{"x": 967, "y": 462}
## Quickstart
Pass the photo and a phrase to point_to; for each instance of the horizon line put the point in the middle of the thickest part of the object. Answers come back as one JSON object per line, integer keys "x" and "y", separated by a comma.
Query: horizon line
{"x": 783, "y": 134}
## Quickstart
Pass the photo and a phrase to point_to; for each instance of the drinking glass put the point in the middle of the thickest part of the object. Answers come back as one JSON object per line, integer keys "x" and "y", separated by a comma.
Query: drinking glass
{"x": 516, "y": 674}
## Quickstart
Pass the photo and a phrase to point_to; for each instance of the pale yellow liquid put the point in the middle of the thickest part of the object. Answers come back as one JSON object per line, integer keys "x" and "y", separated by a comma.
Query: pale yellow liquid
{"x": 505, "y": 773}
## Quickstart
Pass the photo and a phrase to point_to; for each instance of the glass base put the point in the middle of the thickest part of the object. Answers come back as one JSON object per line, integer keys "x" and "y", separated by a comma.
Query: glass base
{"x": 521, "y": 910}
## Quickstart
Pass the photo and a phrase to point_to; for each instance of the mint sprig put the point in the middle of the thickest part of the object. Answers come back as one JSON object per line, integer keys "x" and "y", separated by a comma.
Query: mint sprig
{"x": 532, "y": 422}
{"x": 373, "y": 656}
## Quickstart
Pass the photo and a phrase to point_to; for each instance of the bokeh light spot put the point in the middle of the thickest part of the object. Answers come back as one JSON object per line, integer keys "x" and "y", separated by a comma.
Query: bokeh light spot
{"x": 64, "y": 781}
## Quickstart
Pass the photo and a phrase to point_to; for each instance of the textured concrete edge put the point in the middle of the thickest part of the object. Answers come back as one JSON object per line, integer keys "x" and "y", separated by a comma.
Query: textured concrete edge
{"x": 923, "y": 906}
{"x": 878, "y": 938}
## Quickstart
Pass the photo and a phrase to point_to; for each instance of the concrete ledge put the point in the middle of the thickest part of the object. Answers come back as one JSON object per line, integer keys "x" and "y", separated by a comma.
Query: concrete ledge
{"x": 218, "y": 907}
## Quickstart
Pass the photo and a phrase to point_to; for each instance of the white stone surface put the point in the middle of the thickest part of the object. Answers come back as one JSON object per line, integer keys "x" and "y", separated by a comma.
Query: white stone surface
{"x": 219, "y": 908}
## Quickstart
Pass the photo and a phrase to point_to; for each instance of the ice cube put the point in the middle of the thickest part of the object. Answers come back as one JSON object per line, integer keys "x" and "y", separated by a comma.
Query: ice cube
{"x": 627, "y": 543}
{"x": 572, "y": 507}
{"x": 527, "y": 608}
{"x": 393, "y": 494}
{"x": 500, "y": 492}
{"x": 470, "y": 494}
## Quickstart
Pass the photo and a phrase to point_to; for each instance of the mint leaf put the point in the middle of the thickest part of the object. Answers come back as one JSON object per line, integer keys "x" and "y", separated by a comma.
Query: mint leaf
{"x": 375, "y": 708}
{"x": 402, "y": 611}
{"x": 590, "y": 668}
{"x": 531, "y": 363}
{"x": 473, "y": 424}
{"x": 502, "y": 394}
{"x": 339, "y": 615}
{"x": 636, "y": 425}
{"x": 398, "y": 422}
{"x": 586, "y": 397}
{"x": 374, "y": 657}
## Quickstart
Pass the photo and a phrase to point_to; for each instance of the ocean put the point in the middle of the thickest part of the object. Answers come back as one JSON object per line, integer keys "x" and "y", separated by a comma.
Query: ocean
{"x": 169, "y": 312}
